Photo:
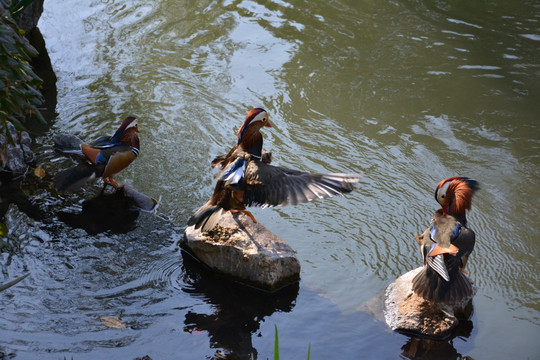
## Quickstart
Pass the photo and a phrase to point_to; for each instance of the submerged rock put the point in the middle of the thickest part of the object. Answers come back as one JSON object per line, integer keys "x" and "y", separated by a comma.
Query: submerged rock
{"x": 244, "y": 251}
{"x": 408, "y": 312}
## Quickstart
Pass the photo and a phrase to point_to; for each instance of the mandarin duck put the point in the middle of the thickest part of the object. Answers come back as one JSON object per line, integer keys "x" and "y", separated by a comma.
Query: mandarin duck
{"x": 446, "y": 245}
{"x": 247, "y": 179}
{"x": 104, "y": 158}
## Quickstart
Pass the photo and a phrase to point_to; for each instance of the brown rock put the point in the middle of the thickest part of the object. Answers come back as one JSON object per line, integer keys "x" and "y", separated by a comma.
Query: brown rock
{"x": 244, "y": 251}
{"x": 405, "y": 311}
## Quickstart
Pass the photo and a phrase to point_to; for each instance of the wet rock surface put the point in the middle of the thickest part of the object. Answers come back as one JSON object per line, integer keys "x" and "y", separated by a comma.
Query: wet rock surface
{"x": 244, "y": 251}
{"x": 15, "y": 156}
{"x": 407, "y": 312}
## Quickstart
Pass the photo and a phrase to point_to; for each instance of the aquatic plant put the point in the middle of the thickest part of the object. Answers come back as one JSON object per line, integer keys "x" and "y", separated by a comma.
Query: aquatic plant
{"x": 276, "y": 346}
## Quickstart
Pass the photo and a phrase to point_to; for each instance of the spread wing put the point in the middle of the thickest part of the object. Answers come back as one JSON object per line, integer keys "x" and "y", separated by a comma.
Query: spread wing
{"x": 268, "y": 185}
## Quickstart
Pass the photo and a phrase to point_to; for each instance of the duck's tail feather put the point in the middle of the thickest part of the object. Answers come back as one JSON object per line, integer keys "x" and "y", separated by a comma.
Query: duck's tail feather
{"x": 73, "y": 179}
{"x": 431, "y": 286}
{"x": 206, "y": 217}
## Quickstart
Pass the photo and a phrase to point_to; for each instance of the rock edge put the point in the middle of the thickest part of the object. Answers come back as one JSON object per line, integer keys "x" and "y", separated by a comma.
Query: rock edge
{"x": 244, "y": 251}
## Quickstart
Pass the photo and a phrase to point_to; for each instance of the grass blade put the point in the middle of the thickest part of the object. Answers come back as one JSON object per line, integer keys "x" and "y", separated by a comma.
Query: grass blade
{"x": 276, "y": 345}
{"x": 11, "y": 283}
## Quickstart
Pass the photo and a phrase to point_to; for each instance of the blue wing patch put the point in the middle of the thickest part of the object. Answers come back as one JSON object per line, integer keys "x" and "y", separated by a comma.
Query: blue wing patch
{"x": 457, "y": 231}
{"x": 101, "y": 159}
{"x": 235, "y": 172}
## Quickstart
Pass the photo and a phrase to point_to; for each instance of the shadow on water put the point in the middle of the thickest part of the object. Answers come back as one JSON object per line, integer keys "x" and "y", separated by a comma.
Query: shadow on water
{"x": 239, "y": 309}
{"x": 114, "y": 212}
{"x": 11, "y": 193}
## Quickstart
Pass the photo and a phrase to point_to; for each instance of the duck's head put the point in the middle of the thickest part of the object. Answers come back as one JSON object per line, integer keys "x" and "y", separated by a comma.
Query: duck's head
{"x": 129, "y": 122}
{"x": 455, "y": 194}
{"x": 255, "y": 119}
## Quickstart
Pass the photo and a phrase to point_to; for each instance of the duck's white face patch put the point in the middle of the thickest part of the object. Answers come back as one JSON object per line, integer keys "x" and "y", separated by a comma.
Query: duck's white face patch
{"x": 441, "y": 193}
{"x": 132, "y": 124}
{"x": 262, "y": 116}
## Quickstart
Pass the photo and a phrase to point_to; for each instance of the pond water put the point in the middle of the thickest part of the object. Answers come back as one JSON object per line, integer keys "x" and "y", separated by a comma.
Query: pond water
{"x": 406, "y": 93}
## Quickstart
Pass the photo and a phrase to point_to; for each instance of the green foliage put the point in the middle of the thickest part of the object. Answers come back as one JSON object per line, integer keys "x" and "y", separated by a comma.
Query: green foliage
{"x": 19, "y": 97}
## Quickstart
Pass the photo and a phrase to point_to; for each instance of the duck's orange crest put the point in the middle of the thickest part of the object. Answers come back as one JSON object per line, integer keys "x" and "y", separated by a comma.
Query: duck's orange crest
{"x": 456, "y": 194}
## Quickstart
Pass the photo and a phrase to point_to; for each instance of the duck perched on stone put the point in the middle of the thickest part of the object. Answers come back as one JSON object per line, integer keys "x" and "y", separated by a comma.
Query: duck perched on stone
{"x": 247, "y": 178}
{"x": 446, "y": 245}
{"x": 104, "y": 158}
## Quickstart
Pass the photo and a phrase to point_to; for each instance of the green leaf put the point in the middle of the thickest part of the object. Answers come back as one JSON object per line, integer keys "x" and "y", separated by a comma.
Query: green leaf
{"x": 18, "y": 125}
{"x": 40, "y": 117}
{"x": 8, "y": 135}
{"x": 3, "y": 229}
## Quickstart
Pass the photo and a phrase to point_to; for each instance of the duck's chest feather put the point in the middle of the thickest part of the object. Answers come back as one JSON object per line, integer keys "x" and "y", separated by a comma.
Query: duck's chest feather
{"x": 118, "y": 162}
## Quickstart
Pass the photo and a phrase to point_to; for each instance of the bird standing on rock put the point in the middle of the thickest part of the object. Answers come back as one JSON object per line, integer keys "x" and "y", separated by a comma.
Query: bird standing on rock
{"x": 446, "y": 244}
{"x": 104, "y": 158}
{"x": 247, "y": 178}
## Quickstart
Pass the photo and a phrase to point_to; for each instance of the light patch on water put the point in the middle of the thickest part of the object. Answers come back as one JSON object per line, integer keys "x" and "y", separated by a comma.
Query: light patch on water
{"x": 534, "y": 37}
{"x": 439, "y": 72}
{"x": 461, "y": 22}
{"x": 479, "y": 67}
{"x": 493, "y": 76}
{"x": 457, "y": 33}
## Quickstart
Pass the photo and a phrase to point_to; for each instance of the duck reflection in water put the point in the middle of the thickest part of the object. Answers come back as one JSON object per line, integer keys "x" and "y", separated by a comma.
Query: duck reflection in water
{"x": 238, "y": 309}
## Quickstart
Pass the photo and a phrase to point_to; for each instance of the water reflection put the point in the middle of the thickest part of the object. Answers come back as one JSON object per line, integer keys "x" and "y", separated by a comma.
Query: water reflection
{"x": 419, "y": 348}
{"x": 238, "y": 310}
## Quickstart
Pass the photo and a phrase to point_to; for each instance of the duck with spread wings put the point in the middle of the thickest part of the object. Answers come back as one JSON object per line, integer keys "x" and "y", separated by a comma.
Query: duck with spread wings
{"x": 248, "y": 179}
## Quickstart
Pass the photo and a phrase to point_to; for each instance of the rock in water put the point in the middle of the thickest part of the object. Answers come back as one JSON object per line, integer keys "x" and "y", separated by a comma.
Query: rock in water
{"x": 244, "y": 251}
{"x": 408, "y": 312}
{"x": 142, "y": 201}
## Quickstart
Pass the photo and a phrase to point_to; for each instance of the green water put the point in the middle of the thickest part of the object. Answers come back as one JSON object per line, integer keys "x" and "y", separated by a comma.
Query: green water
{"x": 406, "y": 93}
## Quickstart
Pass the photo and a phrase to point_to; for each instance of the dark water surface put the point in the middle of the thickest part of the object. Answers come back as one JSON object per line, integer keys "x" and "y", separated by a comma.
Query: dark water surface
{"x": 404, "y": 92}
